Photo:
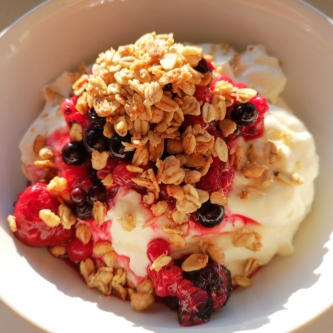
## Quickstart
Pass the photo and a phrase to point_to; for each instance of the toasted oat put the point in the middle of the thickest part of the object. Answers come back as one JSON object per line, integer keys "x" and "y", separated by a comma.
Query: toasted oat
{"x": 39, "y": 143}
{"x": 58, "y": 250}
{"x": 12, "y": 223}
{"x": 192, "y": 177}
{"x": 99, "y": 211}
{"x": 177, "y": 241}
{"x": 57, "y": 185}
{"x": 76, "y": 132}
{"x": 133, "y": 168}
{"x": 270, "y": 152}
{"x": 101, "y": 247}
{"x": 108, "y": 180}
{"x": 141, "y": 301}
{"x": 150, "y": 197}
{"x": 45, "y": 153}
{"x": 244, "y": 195}
{"x": 215, "y": 252}
{"x": 292, "y": 179}
{"x": 243, "y": 95}
{"x": 203, "y": 195}
{"x": 251, "y": 265}
{"x": 159, "y": 208}
{"x": 248, "y": 239}
{"x": 221, "y": 149}
{"x": 67, "y": 217}
{"x": 253, "y": 170}
{"x": 51, "y": 219}
{"x": 145, "y": 286}
{"x": 99, "y": 159}
{"x": 252, "y": 154}
{"x": 227, "y": 127}
{"x": 83, "y": 233}
{"x": 119, "y": 277}
{"x": 175, "y": 191}
{"x": 109, "y": 258}
{"x": 242, "y": 281}
{"x": 128, "y": 221}
{"x": 101, "y": 280}
{"x": 195, "y": 262}
{"x": 219, "y": 198}
{"x": 47, "y": 164}
{"x": 87, "y": 268}
{"x": 160, "y": 262}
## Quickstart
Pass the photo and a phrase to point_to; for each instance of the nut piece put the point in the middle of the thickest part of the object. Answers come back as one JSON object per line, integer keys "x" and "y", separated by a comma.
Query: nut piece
{"x": 195, "y": 262}
{"x": 51, "y": 219}
{"x": 12, "y": 223}
{"x": 141, "y": 301}
{"x": 45, "y": 153}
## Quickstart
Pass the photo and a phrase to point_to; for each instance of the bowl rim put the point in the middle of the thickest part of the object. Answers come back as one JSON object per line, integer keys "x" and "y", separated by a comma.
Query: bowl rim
{"x": 33, "y": 16}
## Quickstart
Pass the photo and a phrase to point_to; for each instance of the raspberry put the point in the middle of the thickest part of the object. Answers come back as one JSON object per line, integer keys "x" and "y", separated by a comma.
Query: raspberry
{"x": 123, "y": 177}
{"x": 31, "y": 230}
{"x": 219, "y": 177}
{"x": 202, "y": 292}
{"x": 166, "y": 280}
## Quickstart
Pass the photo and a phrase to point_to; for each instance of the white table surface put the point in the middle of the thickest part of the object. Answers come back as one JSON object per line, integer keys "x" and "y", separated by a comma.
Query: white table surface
{"x": 10, "y": 10}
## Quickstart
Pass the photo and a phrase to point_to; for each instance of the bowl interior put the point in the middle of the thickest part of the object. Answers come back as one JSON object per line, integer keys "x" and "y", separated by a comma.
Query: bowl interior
{"x": 58, "y": 36}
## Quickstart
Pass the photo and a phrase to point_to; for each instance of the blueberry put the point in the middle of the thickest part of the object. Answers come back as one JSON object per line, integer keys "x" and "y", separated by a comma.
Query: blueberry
{"x": 97, "y": 193}
{"x": 244, "y": 114}
{"x": 203, "y": 67}
{"x": 94, "y": 139}
{"x": 118, "y": 150}
{"x": 95, "y": 120}
{"x": 74, "y": 153}
{"x": 84, "y": 211}
{"x": 78, "y": 195}
{"x": 210, "y": 215}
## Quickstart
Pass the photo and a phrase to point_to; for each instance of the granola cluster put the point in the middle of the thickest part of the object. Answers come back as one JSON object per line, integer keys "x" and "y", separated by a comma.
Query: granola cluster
{"x": 145, "y": 89}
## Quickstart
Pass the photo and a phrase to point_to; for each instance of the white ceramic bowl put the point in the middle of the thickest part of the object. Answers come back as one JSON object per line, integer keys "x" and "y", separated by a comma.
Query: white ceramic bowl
{"x": 58, "y": 35}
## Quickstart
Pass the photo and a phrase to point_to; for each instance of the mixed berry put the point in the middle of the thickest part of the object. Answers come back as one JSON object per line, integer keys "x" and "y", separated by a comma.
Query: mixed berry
{"x": 109, "y": 152}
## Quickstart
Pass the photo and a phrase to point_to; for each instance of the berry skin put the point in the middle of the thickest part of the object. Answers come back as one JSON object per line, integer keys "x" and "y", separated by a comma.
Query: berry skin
{"x": 210, "y": 215}
{"x": 95, "y": 120}
{"x": 123, "y": 177}
{"x": 78, "y": 195}
{"x": 77, "y": 251}
{"x": 94, "y": 139}
{"x": 84, "y": 211}
{"x": 156, "y": 248}
{"x": 70, "y": 113}
{"x": 97, "y": 193}
{"x": 219, "y": 177}
{"x": 244, "y": 114}
{"x": 74, "y": 153}
{"x": 31, "y": 230}
{"x": 166, "y": 280}
{"x": 117, "y": 149}
{"x": 203, "y": 66}
{"x": 202, "y": 292}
